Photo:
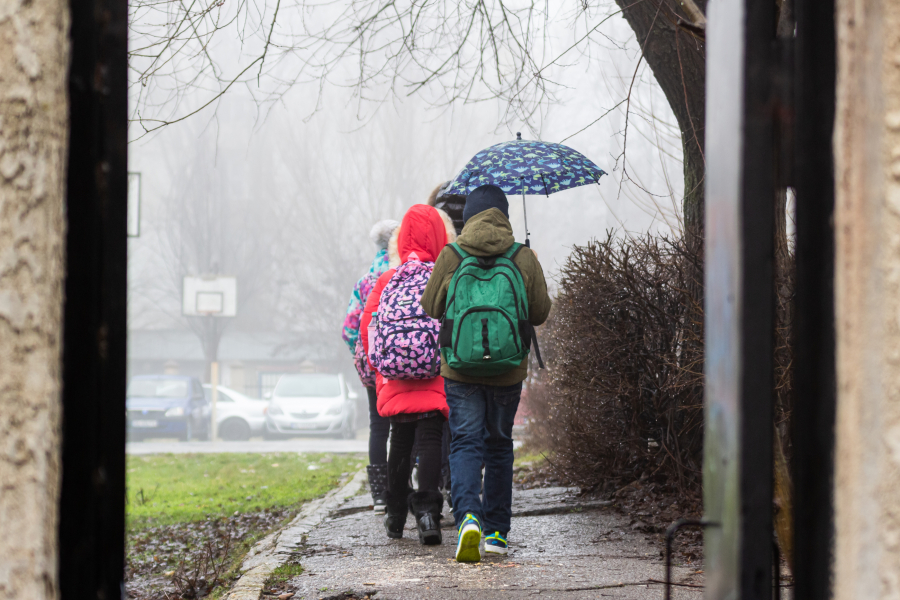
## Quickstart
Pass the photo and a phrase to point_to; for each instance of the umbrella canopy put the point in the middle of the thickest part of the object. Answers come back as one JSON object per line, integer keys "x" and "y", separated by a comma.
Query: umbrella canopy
{"x": 526, "y": 167}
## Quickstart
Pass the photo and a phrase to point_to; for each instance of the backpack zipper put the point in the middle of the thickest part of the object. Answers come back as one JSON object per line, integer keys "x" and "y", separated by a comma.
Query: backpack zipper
{"x": 409, "y": 330}
{"x": 486, "y": 309}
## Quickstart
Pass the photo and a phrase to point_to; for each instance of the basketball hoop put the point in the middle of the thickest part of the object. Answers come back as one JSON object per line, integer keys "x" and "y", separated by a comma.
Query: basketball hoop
{"x": 211, "y": 296}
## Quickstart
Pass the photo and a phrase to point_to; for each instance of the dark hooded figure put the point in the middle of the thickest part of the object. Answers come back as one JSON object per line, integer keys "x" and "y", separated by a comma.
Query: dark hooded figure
{"x": 452, "y": 204}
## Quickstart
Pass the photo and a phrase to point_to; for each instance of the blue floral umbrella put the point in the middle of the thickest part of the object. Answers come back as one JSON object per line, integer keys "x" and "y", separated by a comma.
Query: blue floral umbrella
{"x": 526, "y": 167}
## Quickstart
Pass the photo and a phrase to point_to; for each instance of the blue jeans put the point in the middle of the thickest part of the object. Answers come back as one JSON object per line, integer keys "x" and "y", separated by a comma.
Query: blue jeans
{"x": 481, "y": 422}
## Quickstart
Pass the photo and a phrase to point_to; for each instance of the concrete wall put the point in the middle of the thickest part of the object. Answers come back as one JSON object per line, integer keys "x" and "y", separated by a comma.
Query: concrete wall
{"x": 867, "y": 225}
{"x": 33, "y": 119}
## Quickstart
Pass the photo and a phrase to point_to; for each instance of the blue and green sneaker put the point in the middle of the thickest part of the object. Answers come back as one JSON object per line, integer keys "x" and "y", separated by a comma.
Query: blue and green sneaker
{"x": 467, "y": 548}
{"x": 495, "y": 543}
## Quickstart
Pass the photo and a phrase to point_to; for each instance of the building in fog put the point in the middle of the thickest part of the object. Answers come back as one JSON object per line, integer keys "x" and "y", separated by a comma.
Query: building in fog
{"x": 250, "y": 363}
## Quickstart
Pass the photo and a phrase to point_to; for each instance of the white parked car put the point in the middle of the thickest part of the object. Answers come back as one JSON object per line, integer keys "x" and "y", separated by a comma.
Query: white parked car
{"x": 238, "y": 417}
{"x": 312, "y": 403}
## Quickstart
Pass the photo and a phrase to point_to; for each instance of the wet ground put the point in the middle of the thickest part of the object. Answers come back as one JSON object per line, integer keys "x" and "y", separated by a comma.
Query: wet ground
{"x": 558, "y": 550}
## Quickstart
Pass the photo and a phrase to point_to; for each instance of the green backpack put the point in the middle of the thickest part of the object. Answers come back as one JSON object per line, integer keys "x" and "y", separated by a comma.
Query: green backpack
{"x": 485, "y": 330}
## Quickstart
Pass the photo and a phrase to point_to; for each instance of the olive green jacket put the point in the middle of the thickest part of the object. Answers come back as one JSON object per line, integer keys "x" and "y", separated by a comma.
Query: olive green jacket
{"x": 488, "y": 234}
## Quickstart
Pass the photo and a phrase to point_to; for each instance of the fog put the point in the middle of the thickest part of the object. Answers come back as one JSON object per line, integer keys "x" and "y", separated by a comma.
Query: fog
{"x": 281, "y": 192}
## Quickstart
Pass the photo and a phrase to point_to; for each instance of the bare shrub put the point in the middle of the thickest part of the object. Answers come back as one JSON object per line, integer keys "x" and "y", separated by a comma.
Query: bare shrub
{"x": 622, "y": 399}
{"x": 198, "y": 577}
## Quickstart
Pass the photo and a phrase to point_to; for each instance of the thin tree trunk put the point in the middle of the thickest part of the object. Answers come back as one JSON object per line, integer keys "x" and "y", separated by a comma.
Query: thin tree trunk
{"x": 212, "y": 330}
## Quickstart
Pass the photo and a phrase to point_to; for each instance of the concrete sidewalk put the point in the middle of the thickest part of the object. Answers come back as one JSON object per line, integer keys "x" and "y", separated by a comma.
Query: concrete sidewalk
{"x": 557, "y": 550}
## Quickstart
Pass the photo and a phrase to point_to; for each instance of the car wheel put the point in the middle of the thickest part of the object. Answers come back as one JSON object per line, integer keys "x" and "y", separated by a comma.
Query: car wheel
{"x": 188, "y": 434}
{"x": 235, "y": 430}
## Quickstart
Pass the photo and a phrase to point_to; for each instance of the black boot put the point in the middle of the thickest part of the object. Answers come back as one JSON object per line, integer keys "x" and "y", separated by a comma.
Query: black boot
{"x": 426, "y": 507}
{"x": 378, "y": 486}
{"x": 395, "y": 515}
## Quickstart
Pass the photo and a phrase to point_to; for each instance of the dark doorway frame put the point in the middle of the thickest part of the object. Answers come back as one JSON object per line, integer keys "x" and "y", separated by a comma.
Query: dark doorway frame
{"x": 815, "y": 388}
{"x": 92, "y": 502}
{"x": 738, "y": 473}
{"x": 740, "y": 299}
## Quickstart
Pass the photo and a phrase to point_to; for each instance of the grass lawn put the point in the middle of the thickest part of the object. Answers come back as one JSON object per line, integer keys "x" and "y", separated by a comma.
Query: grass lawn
{"x": 176, "y": 488}
{"x": 526, "y": 456}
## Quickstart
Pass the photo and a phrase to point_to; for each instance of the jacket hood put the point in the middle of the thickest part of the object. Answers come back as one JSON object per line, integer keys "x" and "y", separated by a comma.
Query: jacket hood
{"x": 425, "y": 227}
{"x": 488, "y": 233}
{"x": 381, "y": 233}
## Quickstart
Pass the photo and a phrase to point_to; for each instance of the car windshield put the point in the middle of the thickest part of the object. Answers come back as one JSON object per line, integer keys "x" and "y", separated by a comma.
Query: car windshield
{"x": 308, "y": 386}
{"x": 157, "y": 388}
{"x": 223, "y": 395}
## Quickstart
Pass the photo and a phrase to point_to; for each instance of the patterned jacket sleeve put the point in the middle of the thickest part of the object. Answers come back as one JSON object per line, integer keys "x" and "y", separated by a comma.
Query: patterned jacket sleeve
{"x": 351, "y": 321}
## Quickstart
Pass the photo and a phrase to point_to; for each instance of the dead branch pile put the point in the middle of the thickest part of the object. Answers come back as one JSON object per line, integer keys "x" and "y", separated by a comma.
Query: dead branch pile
{"x": 622, "y": 398}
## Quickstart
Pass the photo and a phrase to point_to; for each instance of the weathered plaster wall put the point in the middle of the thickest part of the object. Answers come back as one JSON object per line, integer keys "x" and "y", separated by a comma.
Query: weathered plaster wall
{"x": 867, "y": 226}
{"x": 33, "y": 119}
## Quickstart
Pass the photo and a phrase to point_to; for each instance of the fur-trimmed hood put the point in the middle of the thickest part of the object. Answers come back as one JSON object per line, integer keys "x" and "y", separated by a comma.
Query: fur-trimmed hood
{"x": 394, "y": 253}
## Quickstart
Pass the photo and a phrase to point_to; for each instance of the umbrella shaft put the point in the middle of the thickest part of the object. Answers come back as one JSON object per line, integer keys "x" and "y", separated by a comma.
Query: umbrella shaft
{"x": 525, "y": 213}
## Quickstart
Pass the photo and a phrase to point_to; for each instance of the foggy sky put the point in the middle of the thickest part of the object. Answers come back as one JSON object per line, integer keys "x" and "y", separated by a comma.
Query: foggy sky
{"x": 306, "y": 189}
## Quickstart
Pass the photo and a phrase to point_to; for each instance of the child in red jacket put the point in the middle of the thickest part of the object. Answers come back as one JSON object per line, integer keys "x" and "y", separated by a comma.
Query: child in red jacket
{"x": 416, "y": 407}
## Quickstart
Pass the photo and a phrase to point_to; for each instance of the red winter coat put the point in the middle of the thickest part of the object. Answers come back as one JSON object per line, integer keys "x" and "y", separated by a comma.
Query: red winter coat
{"x": 422, "y": 231}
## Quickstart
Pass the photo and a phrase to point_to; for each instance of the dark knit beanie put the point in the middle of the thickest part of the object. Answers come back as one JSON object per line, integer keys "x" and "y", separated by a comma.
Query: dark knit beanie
{"x": 484, "y": 197}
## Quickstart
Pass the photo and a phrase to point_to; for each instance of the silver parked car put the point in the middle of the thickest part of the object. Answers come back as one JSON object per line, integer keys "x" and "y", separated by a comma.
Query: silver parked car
{"x": 312, "y": 403}
{"x": 238, "y": 417}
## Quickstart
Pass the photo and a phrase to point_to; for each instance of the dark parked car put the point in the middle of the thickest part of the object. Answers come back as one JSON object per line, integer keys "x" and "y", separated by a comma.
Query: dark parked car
{"x": 167, "y": 406}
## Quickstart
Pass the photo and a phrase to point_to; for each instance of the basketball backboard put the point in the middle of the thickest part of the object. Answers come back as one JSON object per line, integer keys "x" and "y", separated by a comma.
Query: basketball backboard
{"x": 211, "y": 295}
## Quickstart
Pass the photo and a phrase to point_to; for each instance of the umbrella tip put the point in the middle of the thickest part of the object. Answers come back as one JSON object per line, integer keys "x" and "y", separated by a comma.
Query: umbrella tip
{"x": 518, "y": 136}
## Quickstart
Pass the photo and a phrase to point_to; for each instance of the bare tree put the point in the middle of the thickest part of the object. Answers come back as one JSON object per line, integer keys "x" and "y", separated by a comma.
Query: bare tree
{"x": 462, "y": 51}
{"x": 212, "y": 222}
{"x": 447, "y": 51}
{"x": 673, "y": 46}
{"x": 289, "y": 217}
{"x": 329, "y": 196}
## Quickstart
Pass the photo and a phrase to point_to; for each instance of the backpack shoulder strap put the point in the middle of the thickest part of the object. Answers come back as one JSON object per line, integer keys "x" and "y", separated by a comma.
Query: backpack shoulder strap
{"x": 511, "y": 254}
{"x": 458, "y": 251}
{"x": 513, "y": 251}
